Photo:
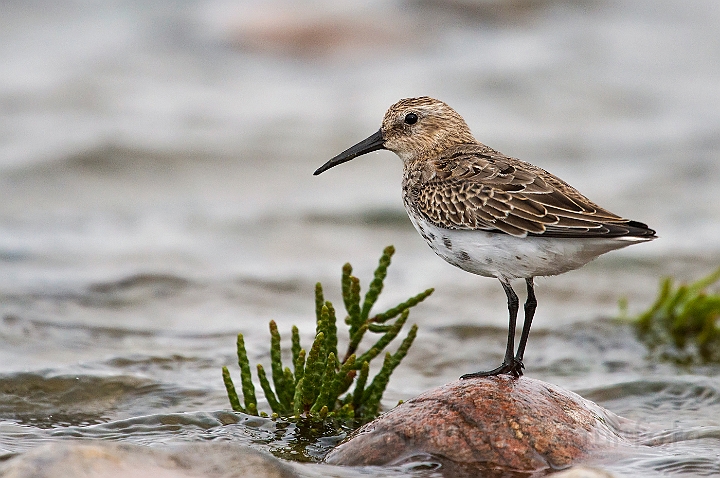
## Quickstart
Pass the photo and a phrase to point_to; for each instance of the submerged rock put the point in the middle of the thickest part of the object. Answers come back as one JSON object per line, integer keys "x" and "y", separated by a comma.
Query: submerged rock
{"x": 78, "y": 459}
{"x": 485, "y": 425}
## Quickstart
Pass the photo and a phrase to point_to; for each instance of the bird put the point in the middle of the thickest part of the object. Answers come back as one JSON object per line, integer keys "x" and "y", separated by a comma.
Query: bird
{"x": 491, "y": 214}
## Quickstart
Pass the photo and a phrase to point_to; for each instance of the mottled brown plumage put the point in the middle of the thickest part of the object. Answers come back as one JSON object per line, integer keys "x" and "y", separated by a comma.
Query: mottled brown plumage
{"x": 455, "y": 182}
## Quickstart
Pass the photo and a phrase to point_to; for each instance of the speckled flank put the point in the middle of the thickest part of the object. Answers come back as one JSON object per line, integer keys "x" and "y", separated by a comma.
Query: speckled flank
{"x": 463, "y": 256}
{"x": 493, "y": 254}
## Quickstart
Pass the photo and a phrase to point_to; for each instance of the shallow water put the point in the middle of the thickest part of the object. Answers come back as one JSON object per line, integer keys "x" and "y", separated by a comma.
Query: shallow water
{"x": 156, "y": 198}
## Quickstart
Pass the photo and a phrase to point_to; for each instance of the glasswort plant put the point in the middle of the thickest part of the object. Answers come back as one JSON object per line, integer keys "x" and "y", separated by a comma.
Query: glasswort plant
{"x": 683, "y": 325}
{"x": 315, "y": 386}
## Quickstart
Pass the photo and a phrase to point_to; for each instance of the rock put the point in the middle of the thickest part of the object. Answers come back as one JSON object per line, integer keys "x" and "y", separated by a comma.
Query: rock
{"x": 582, "y": 472}
{"x": 79, "y": 459}
{"x": 484, "y": 426}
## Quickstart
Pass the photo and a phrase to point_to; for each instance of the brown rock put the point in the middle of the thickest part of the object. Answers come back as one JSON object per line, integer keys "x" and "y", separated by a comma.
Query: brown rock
{"x": 487, "y": 425}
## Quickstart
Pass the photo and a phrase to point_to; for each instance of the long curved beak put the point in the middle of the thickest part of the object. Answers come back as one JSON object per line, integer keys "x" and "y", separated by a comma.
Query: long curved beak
{"x": 373, "y": 143}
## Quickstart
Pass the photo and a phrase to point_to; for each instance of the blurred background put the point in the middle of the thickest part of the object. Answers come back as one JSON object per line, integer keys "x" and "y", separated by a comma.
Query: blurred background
{"x": 157, "y": 197}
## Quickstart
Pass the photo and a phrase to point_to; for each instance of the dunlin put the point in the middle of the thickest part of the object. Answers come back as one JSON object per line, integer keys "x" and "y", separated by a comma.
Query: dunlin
{"x": 488, "y": 213}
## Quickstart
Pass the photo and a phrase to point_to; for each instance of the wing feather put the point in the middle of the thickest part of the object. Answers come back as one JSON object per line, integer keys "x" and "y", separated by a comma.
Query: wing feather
{"x": 475, "y": 187}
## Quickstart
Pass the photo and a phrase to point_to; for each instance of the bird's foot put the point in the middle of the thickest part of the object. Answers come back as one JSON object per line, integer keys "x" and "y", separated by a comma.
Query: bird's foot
{"x": 514, "y": 368}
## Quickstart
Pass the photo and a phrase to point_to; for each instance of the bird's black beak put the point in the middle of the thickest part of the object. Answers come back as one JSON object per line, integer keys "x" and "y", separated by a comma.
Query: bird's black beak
{"x": 373, "y": 143}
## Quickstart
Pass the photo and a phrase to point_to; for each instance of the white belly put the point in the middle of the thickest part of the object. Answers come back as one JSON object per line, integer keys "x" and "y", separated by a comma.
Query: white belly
{"x": 493, "y": 254}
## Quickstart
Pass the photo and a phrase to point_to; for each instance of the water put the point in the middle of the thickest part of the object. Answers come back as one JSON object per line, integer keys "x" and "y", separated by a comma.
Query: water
{"x": 156, "y": 198}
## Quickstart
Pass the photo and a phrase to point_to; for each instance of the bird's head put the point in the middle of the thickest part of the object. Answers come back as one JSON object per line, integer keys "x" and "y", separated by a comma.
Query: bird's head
{"x": 412, "y": 128}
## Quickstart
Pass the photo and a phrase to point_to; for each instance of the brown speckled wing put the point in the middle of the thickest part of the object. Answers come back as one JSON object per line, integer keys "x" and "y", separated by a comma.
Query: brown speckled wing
{"x": 475, "y": 187}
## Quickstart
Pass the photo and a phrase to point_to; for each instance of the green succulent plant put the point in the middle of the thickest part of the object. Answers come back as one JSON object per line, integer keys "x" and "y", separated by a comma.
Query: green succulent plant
{"x": 683, "y": 324}
{"x": 318, "y": 384}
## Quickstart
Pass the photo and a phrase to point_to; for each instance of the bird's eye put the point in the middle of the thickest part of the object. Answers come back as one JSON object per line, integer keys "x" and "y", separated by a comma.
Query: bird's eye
{"x": 411, "y": 118}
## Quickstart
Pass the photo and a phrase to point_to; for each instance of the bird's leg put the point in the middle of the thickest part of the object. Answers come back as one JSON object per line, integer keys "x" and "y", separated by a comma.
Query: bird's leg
{"x": 513, "y": 305}
{"x": 509, "y": 365}
{"x": 530, "y": 306}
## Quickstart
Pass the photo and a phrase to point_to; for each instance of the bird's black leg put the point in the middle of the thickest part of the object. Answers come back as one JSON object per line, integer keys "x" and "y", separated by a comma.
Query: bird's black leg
{"x": 509, "y": 365}
{"x": 530, "y": 306}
